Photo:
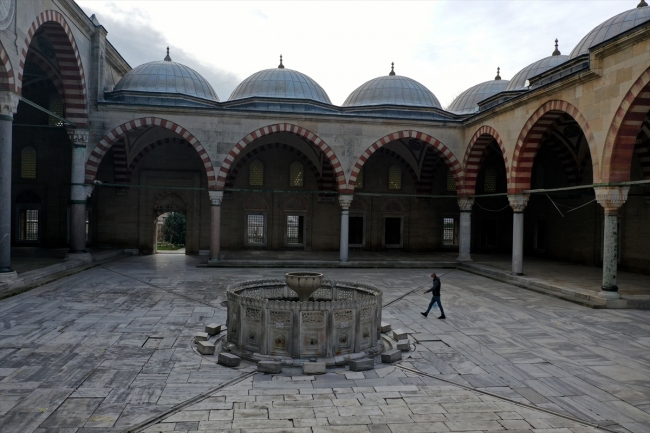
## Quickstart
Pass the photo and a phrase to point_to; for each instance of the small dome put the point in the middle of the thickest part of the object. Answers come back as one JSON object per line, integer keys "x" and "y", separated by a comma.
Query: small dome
{"x": 166, "y": 76}
{"x": 280, "y": 83}
{"x": 467, "y": 102}
{"x": 392, "y": 90}
{"x": 518, "y": 82}
{"x": 612, "y": 28}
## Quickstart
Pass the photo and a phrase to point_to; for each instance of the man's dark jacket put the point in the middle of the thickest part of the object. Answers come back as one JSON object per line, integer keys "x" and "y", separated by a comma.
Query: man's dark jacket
{"x": 435, "y": 288}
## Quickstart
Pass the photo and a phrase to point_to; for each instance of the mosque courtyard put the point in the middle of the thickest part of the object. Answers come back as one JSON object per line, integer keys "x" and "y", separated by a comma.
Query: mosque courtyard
{"x": 109, "y": 350}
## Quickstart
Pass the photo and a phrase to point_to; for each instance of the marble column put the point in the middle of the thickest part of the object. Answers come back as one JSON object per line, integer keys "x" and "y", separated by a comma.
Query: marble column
{"x": 518, "y": 203}
{"x": 611, "y": 199}
{"x": 8, "y": 106}
{"x": 216, "y": 197}
{"x": 78, "y": 194}
{"x": 345, "y": 201}
{"x": 465, "y": 241}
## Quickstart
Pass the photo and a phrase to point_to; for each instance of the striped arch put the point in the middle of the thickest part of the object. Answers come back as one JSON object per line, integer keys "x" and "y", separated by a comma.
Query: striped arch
{"x": 475, "y": 154}
{"x": 7, "y": 81}
{"x": 49, "y": 70}
{"x": 92, "y": 165}
{"x": 448, "y": 156}
{"x": 69, "y": 59}
{"x": 623, "y": 132}
{"x": 226, "y": 166}
{"x": 530, "y": 139}
{"x": 642, "y": 148}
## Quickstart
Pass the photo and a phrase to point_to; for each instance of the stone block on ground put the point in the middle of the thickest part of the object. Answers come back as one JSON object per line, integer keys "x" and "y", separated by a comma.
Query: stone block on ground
{"x": 400, "y": 334}
{"x": 213, "y": 328}
{"x": 391, "y": 356}
{"x": 385, "y": 327}
{"x": 228, "y": 359}
{"x": 205, "y": 348}
{"x": 270, "y": 367}
{"x": 314, "y": 368}
{"x": 201, "y": 336}
{"x": 362, "y": 364}
{"x": 403, "y": 345}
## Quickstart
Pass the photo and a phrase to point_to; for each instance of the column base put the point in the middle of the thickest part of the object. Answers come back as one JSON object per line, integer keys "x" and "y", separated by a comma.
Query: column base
{"x": 464, "y": 259}
{"x": 213, "y": 261}
{"x": 83, "y": 256}
{"x": 518, "y": 274}
{"x": 609, "y": 294}
{"x": 6, "y": 277}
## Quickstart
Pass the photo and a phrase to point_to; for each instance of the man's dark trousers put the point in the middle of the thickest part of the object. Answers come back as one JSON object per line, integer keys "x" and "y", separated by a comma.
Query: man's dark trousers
{"x": 435, "y": 299}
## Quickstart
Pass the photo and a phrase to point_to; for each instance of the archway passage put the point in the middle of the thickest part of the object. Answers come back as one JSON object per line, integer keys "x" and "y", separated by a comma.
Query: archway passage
{"x": 50, "y": 40}
{"x": 560, "y": 125}
{"x": 475, "y": 154}
{"x": 170, "y": 233}
{"x": 624, "y": 133}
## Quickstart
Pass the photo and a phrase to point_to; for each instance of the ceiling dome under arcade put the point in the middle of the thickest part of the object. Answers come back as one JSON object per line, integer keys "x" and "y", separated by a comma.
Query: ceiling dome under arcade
{"x": 165, "y": 77}
{"x": 518, "y": 82}
{"x": 467, "y": 102}
{"x": 613, "y": 27}
{"x": 392, "y": 90}
{"x": 281, "y": 83}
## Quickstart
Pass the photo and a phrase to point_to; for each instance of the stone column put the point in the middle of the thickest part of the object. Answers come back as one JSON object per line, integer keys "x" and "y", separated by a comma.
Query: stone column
{"x": 216, "y": 197}
{"x": 518, "y": 203}
{"x": 78, "y": 194}
{"x": 345, "y": 201}
{"x": 8, "y": 107}
{"x": 610, "y": 198}
{"x": 465, "y": 241}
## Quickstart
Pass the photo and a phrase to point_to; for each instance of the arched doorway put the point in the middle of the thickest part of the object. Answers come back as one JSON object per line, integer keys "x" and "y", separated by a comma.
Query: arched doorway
{"x": 169, "y": 225}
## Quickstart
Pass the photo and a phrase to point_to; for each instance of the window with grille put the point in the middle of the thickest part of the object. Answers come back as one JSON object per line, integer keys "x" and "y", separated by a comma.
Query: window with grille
{"x": 359, "y": 184}
{"x": 55, "y": 106}
{"x": 28, "y": 163}
{"x": 296, "y": 174}
{"x": 451, "y": 182}
{"x": 295, "y": 229}
{"x": 490, "y": 180}
{"x": 539, "y": 177}
{"x": 255, "y": 229}
{"x": 395, "y": 177}
{"x": 256, "y": 175}
{"x": 449, "y": 232}
{"x": 28, "y": 225}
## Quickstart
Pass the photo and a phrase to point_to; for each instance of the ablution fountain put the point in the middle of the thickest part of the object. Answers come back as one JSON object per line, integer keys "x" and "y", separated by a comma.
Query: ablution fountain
{"x": 302, "y": 318}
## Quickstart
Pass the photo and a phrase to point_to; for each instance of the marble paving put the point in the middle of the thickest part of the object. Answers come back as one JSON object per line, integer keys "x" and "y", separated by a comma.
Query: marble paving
{"x": 108, "y": 348}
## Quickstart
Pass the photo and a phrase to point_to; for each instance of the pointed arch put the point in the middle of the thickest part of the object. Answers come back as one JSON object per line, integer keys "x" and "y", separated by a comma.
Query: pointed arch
{"x": 474, "y": 156}
{"x": 447, "y": 155}
{"x": 92, "y": 165}
{"x": 70, "y": 66}
{"x": 621, "y": 138}
{"x": 530, "y": 138}
{"x": 7, "y": 81}
{"x": 272, "y": 129}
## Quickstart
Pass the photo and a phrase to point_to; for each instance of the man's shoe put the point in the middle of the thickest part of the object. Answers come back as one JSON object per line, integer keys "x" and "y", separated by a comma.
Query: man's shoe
{"x": 424, "y": 314}
{"x": 442, "y": 317}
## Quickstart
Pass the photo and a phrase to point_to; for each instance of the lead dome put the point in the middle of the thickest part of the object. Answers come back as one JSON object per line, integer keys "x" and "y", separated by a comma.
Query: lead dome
{"x": 518, "y": 82}
{"x": 281, "y": 83}
{"x": 166, "y": 76}
{"x": 612, "y": 27}
{"x": 392, "y": 90}
{"x": 467, "y": 102}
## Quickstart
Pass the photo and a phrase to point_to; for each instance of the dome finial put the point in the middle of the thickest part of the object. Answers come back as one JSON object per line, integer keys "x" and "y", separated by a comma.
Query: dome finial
{"x": 498, "y": 77}
{"x": 280, "y": 66}
{"x": 392, "y": 69}
{"x": 556, "y": 52}
{"x": 167, "y": 58}
{"x": 642, "y": 4}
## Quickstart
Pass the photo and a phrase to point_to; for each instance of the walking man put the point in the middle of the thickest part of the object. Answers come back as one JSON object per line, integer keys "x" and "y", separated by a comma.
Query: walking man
{"x": 435, "y": 298}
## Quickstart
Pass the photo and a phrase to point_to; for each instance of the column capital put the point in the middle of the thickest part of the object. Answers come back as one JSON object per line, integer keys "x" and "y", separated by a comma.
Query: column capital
{"x": 345, "y": 200}
{"x": 216, "y": 197}
{"x": 465, "y": 203}
{"x": 611, "y": 198}
{"x": 8, "y": 103}
{"x": 518, "y": 202}
{"x": 78, "y": 137}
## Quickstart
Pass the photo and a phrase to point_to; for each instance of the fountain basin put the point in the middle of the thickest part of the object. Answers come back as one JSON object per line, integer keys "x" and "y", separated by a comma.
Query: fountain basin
{"x": 304, "y": 283}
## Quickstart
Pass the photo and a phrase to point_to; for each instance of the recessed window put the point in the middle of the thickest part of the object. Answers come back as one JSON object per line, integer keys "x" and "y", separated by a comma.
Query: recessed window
{"x": 28, "y": 225}
{"x": 395, "y": 177}
{"x": 28, "y": 163}
{"x": 256, "y": 175}
{"x": 359, "y": 184}
{"x": 256, "y": 229}
{"x": 296, "y": 174}
{"x": 449, "y": 232}
{"x": 490, "y": 180}
{"x": 451, "y": 182}
{"x": 55, "y": 106}
{"x": 295, "y": 229}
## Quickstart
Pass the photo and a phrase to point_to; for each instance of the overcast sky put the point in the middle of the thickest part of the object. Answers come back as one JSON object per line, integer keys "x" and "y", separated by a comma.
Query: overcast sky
{"x": 446, "y": 45}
